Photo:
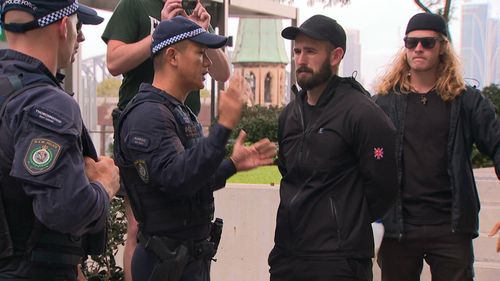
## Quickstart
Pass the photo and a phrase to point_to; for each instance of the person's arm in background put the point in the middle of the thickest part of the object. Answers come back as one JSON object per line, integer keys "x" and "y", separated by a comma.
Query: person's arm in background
{"x": 494, "y": 231}
{"x": 219, "y": 70}
{"x": 122, "y": 56}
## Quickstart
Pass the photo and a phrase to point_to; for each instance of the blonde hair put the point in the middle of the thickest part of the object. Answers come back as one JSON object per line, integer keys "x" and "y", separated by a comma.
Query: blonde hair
{"x": 450, "y": 82}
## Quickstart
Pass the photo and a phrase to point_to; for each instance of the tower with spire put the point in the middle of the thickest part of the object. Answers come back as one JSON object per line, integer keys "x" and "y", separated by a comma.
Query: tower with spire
{"x": 260, "y": 57}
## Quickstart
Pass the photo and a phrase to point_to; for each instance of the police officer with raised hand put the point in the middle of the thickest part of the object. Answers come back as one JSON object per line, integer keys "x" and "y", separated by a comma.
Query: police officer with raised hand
{"x": 170, "y": 169}
{"x": 52, "y": 193}
{"x": 128, "y": 38}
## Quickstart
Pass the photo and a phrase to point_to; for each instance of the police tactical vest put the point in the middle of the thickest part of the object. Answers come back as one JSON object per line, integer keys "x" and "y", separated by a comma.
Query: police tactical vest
{"x": 20, "y": 232}
{"x": 157, "y": 213}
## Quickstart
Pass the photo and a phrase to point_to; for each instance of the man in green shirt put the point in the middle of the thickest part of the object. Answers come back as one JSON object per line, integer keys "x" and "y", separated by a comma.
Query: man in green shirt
{"x": 128, "y": 39}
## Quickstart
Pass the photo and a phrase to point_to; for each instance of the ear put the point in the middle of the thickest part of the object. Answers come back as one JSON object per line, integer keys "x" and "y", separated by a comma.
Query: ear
{"x": 442, "y": 47}
{"x": 172, "y": 56}
{"x": 336, "y": 56}
{"x": 63, "y": 27}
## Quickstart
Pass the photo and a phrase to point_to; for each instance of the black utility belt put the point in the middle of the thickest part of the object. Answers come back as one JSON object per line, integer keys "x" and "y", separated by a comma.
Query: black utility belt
{"x": 165, "y": 247}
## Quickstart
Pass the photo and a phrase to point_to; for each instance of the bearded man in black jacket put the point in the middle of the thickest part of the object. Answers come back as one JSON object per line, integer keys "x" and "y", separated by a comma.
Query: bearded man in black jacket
{"x": 337, "y": 159}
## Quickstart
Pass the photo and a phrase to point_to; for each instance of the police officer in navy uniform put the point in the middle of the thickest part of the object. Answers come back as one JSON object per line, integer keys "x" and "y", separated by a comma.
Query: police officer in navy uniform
{"x": 171, "y": 170}
{"x": 54, "y": 189}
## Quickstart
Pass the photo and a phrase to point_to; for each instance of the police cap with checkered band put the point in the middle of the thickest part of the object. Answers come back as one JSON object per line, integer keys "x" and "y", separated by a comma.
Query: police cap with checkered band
{"x": 46, "y": 12}
{"x": 179, "y": 28}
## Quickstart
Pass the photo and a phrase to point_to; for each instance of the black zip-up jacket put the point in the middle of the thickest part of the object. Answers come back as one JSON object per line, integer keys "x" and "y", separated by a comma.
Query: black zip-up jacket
{"x": 339, "y": 174}
{"x": 472, "y": 120}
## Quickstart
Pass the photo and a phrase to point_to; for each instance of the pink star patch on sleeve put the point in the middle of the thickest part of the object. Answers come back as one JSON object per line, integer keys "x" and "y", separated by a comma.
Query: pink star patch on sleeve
{"x": 378, "y": 153}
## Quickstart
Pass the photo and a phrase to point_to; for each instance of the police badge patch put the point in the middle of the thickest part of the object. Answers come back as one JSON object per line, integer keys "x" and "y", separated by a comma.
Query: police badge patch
{"x": 41, "y": 156}
{"x": 142, "y": 170}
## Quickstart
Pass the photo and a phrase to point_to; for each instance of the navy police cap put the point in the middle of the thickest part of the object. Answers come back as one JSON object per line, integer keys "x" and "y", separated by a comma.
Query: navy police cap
{"x": 179, "y": 28}
{"x": 46, "y": 12}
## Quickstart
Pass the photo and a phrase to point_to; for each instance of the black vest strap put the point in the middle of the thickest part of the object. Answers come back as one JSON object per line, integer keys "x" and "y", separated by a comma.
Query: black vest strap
{"x": 12, "y": 87}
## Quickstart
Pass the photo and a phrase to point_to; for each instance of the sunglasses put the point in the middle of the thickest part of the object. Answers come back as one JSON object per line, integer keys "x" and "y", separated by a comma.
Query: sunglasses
{"x": 427, "y": 42}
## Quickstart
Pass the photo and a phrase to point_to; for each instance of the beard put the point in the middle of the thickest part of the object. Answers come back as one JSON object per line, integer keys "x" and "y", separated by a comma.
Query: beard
{"x": 322, "y": 76}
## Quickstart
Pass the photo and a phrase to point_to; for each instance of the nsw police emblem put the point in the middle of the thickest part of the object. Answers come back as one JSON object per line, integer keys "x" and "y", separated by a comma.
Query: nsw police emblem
{"x": 41, "y": 156}
{"x": 142, "y": 170}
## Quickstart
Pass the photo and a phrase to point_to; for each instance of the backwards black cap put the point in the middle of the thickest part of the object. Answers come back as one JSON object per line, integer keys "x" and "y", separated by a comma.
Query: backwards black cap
{"x": 427, "y": 21}
{"x": 319, "y": 27}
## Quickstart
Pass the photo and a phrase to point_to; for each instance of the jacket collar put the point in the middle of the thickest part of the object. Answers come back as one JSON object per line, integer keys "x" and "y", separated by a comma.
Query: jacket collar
{"x": 149, "y": 89}
{"x": 33, "y": 70}
{"x": 327, "y": 94}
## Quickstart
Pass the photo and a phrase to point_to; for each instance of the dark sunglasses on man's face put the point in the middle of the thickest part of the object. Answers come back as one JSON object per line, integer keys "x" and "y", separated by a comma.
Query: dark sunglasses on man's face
{"x": 427, "y": 42}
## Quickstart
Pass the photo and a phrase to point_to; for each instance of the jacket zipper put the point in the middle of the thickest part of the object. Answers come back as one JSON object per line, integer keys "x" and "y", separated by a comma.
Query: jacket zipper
{"x": 454, "y": 114}
{"x": 333, "y": 210}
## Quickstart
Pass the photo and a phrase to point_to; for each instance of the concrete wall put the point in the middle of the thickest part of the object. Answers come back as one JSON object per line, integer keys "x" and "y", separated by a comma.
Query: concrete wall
{"x": 249, "y": 213}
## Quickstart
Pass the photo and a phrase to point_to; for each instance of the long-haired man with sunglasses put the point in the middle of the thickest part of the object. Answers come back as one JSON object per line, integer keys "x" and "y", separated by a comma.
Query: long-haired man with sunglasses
{"x": 438, "y": 118}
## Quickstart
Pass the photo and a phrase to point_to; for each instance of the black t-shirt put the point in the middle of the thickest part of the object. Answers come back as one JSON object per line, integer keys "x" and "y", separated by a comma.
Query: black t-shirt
{"x": 426, "y": 186}
{"x": 310, "y": 113}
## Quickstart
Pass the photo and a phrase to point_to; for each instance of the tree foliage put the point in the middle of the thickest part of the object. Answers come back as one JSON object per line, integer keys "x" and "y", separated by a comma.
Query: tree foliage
{"x": 104, "y": 267}
{"x": 258, "y": 122}
{"x": 443, "y": 8}
{"x": 440, "y": 7}
{"x": 492, "y": 92}
{"x": 109, "y": 87}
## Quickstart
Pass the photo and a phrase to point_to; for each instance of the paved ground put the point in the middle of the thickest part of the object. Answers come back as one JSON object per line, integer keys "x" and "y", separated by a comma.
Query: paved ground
{"x": 249, "y": 213}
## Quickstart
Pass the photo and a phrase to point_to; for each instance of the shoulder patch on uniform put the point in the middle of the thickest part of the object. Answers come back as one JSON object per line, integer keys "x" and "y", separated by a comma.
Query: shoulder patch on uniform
{"x": 138, "y": 141}
{"x": 46, "y": 116}
{"x": 142, "y": 170}
{"x": 41, "y": 156}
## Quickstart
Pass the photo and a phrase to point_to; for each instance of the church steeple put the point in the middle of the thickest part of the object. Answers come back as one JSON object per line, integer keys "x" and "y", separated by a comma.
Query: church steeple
{"x": 259, "y": 40}
{"x": 260, "y": 56}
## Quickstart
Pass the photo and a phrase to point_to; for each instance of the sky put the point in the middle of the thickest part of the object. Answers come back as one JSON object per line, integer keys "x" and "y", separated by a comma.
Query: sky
{"x": 381, "y": 24}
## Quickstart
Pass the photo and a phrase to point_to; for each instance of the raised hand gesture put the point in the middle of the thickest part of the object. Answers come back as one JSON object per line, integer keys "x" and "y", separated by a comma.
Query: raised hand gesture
{"x": 248, "y": 157}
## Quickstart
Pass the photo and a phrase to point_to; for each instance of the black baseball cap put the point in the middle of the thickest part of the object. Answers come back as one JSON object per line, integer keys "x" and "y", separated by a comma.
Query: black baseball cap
{"x": 319, "y": 27}
{"x": 46, "y": 12}
{"x": 179, "y": 28}
{"x": 427, "y": 21}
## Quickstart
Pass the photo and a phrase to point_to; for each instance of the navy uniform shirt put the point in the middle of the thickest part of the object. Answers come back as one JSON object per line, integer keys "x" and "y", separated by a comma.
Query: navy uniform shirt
{"x": 42, "y": 133}
{"x": 149, "y": 134}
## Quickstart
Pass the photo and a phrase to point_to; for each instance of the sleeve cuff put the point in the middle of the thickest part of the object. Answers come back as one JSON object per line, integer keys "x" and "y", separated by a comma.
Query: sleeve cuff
{"x": 220, "y": 134}
{"x": 104, "y": 193}
{"x": 227, "y": 168}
